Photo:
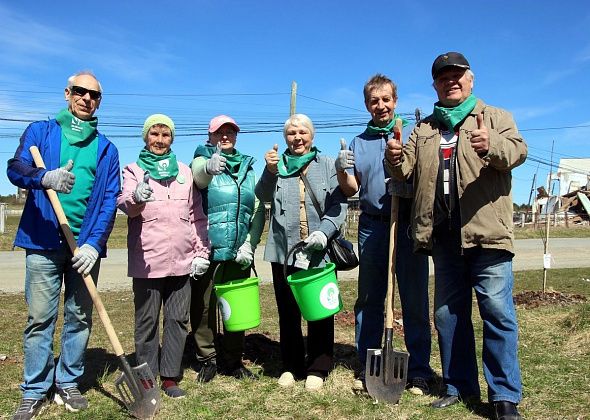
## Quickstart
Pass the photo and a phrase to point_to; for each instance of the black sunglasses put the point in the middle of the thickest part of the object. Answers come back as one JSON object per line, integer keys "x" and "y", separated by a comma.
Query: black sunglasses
{"x": 80, "y": 91}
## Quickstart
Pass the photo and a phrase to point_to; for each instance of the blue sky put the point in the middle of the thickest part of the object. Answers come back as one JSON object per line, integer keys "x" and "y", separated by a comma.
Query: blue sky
{"x": 195, "y": 59}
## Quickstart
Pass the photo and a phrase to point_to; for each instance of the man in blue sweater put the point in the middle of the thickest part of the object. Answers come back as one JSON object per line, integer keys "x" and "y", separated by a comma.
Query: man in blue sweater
{"x": 83, "y": 168}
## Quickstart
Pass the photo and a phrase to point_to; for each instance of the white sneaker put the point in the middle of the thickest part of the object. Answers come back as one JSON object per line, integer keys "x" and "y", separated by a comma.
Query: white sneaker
{"x": 314, "y": 383}
{"x": 287, "y": 379}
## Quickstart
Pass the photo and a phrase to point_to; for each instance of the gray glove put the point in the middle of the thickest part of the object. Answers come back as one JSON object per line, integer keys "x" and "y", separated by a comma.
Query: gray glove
{"x": 245, "y": 255}
{"x": 345, "y": 159}
{"x": 199, "y": 266}
{"x": 217, "y": 163}
{"x": 316, "y": 241}
{"x": 85, "y": 259}
{"x": 143, "y": 192}
{"x": 60, "y": 179}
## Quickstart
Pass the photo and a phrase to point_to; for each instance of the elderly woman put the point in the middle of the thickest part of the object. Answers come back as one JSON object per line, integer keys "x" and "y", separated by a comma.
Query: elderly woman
{"x": 294, "y": 218}
{"x": 166, "y": 243}
{"x": 236, "y": 220}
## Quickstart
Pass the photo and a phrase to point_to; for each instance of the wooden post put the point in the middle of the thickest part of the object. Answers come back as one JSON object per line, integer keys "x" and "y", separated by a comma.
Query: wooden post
{"x": 293, "y": 97}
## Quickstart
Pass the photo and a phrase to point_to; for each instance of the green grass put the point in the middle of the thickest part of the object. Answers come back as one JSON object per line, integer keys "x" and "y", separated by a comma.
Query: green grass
{"x": 554, "y": 354}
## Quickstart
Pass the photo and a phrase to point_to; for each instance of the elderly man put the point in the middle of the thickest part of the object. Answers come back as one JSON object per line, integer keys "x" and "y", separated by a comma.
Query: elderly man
{"x": 360, "y": 168}
{"x": 83, "y": 167}
{"x": 461, "y": 157}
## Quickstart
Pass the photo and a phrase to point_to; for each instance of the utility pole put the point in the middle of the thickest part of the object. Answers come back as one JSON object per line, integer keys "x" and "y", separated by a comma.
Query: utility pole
{"x": 293, "y": 97}
{"x": 546, "y": 255}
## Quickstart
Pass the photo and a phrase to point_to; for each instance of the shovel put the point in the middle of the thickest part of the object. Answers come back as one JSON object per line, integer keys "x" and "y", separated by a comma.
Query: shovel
{"x": 386, "y": 369}
{"x": 136, "y": 386}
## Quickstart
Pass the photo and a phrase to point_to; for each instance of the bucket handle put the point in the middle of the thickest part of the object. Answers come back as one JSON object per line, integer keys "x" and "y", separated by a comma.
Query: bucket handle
{"x": 222, "y": 262}
{"x": 298, "y": 245}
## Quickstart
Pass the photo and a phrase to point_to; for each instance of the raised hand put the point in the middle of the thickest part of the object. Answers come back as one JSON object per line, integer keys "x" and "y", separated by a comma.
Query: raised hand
{"x": 216, "y": 163}
{"x": 394, "y": 148}
{"x": 345, "y": 159}
{"x": 272, "y": 159}
{"x": 143, "y": 192}
{"x": 60, "y": 179}
{"x": 480, "y": 138}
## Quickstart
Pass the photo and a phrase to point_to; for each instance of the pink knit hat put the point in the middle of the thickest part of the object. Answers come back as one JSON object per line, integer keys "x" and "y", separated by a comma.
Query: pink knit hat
{"x": 218, "y": 121}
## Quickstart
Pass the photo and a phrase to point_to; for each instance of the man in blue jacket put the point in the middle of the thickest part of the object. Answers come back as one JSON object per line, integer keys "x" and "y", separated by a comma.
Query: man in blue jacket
{"x": 83, "y": 168}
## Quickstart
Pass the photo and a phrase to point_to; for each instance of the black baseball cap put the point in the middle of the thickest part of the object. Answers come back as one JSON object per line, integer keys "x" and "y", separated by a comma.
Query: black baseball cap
{"x": 450, "y": 59}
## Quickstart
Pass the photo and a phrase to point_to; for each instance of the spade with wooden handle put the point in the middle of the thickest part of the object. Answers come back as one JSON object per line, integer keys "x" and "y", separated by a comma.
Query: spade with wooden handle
{"x": 136, "y": 386}
{"x": 386, "y": 368}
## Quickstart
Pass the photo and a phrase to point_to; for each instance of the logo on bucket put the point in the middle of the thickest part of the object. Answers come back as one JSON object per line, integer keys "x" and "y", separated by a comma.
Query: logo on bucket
{"x": 329, "y": 296}
{"x": 224, "y": 308}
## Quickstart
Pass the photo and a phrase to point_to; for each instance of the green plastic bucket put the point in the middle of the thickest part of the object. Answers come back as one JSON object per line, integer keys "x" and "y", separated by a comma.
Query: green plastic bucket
{"x": 239, "y": 303}
{"x": 316, "y": 292}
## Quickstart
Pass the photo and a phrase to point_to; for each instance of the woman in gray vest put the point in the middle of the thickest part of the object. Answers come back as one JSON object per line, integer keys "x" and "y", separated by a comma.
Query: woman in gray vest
{"x": 294, "y": 218}
{"x": 226, "y": 179}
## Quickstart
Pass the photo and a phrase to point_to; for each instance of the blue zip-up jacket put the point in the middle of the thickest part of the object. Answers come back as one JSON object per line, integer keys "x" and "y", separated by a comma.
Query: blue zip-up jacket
{"x": 38, "y": 228}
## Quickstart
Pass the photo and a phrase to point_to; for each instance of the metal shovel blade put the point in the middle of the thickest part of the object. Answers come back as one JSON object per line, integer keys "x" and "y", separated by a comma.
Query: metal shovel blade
{"x": 140, "y": 392}
{"x": 386, "y": 374}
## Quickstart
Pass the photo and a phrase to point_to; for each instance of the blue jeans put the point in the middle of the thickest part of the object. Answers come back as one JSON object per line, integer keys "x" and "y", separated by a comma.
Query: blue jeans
{"x": 45, "y": 271}
{"x": 411, "y": 281}
{"x": 489, "y": 273}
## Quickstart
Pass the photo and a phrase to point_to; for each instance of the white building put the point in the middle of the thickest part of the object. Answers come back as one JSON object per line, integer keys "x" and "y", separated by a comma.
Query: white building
{"x": 573, "y": 174}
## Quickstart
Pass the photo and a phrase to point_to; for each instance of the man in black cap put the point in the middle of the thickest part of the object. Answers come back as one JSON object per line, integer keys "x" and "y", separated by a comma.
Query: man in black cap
{"x": 461, "y": 157}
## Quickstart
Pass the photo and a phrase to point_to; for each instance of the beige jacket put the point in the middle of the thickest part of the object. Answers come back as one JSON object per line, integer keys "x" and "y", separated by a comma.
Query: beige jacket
{"x": 483, "y": 183}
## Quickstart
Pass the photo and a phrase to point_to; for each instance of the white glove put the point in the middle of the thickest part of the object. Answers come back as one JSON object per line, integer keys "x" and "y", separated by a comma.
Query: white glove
{"x": 143, "y": 192}
{"x": 345, "y": 159}
{"x": 199, "y": 266}
{"x": 245, "y": 255}
{"x": 85, "y": 259}
{"x": 216, "y": 163}
{"x": 316, "y": 241}
{"x": 60, "y": 179}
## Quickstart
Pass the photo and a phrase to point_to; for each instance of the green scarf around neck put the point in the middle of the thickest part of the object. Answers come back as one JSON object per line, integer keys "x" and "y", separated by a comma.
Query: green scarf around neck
{"x": 159, "y": 166}
{"x": 291, "y": 164}
{"x": 75, "y": 130}
{"x": 233, "y": 161}
{"x": 450, "y": 117}
{"x": 373, "y": 130}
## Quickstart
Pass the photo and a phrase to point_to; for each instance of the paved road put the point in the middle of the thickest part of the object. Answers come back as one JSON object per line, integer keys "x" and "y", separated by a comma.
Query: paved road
{"x": 566, "y": 252}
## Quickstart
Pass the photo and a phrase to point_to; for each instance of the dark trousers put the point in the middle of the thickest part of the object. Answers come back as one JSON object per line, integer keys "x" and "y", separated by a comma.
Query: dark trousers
{"x": 203, "y": 317}
{"x": 148, "y": 297}
{"x": 320, "y": 334}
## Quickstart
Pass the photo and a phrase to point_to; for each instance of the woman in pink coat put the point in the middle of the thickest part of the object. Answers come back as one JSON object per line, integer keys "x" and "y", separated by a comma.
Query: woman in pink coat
{"x": 166, "y": 243}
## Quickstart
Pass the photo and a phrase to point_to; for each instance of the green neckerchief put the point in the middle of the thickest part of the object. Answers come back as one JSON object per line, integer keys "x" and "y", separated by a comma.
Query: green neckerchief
{"x": 233, "y": 161}
{"x": 450, "y": 117}
{"x": 290, "y": 164}
{"x": 73, "y": 129}
{"x": 373, "y": 130}
{"x": 159, "y": 166}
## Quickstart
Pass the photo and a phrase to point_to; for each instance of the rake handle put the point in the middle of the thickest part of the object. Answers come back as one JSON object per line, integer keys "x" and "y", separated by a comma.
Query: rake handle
{"x": 65, "y": 227}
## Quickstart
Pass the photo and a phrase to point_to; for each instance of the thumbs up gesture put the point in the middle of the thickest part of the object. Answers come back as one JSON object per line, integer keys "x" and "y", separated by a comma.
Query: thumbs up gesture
{"x": 143, "y": 192}
{"x": 480, "y": 138}
{"x": 272, "y": 159}
{"x": 216, "y": 163}
{"x": 394, "y": 147}
{"x": 345, "y": 159}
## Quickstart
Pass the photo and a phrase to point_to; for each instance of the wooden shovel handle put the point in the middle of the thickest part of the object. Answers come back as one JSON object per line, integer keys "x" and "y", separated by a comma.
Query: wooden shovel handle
{"x": 392, "y": 245}
{"x": 65, "y": 227}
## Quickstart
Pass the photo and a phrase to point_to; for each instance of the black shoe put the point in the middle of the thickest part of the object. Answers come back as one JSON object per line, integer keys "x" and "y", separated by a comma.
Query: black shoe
{"x": 206, "y": 371}
{"x": 239, "y": 372}
{"x": 418, "y": 386}
{"x": 445, "y": 401}
{"x": 506, "y": 410}
{"x": 174, "y": 391}
{"x": 71, "y": 399}
{"x": 29, "y": 408}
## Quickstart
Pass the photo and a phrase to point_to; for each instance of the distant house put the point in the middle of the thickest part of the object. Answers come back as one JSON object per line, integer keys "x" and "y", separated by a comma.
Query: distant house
{"x": 573, "y": 174}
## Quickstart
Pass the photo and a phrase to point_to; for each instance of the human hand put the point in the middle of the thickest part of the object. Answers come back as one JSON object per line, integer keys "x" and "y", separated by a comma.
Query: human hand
{"x": 394, "y": 148}
{"x": 272, "y": 159}
{"x": 60, "y": 179}
{"x": 480, "y": 138}
{"x": 84, "y": 259}
{"x": 199, "y": 266}
{"x": 143, "y": 192}
{"x": 245, "y": 255}
{"x": 316, "y": 241}
{"x": 345, "y": 159}
{"x": 216, "y": 163}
